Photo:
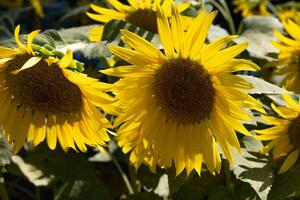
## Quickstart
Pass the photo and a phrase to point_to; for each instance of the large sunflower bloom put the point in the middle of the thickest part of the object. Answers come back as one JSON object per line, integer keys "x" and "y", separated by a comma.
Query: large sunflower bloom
{"x": 42, "y": 98}
{"x": 248, "y": 8}
{"x": 141, "y": 13}
{"x": 289, "y": 13}
{"x": 284, "y": 135}
{"x": 179, "y": 101}
{"x": 289, "y": 56}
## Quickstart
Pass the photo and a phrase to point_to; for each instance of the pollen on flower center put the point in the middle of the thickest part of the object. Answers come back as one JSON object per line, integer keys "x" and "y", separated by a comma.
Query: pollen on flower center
{"x": 294, "y": 133}
{"x": 42, "y": 87}
{"x": 144, "y": 18}
{"x": 184, "y": 91}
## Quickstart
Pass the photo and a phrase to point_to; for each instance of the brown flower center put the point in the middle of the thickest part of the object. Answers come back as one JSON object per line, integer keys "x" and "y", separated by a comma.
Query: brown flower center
{"x": 294, "y": 133}
{"x": 42, "y": 87}
{"x": 144, "y": 18}
{"x": 184, "y": 91}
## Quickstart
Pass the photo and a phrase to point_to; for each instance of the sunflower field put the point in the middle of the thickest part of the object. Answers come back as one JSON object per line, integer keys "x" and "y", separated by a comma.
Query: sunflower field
{"x": 149, "y": 100}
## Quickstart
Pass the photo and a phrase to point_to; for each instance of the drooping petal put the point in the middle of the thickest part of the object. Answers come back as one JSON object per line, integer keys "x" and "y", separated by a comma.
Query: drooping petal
{"x": 66, "y": 60}
{"x": 19, "y": 43}
{"x": 289, "y": 161}
{"x": 28, "y": 64}
{"x": 30, "y": 38}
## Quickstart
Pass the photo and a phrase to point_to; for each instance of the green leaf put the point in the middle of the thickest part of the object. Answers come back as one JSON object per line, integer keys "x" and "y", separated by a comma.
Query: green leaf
{"x": 75, "y": 34}
{"x": 253, "y": 168}
{"x": 278, "y": 100}
{"x": 94, "y": 50}
{"x": 259, "y": 34}
{"x": 262, "y": 24}
{"x": 193, "y": 187}
{"x": 73, "y": 13}
{"x": 216, "y": 32}
{"x": 147, "y": 178}
{"x": 31, "y": 172}
{"x": 63, "y": 166}
{"x": 144, "y": 196}
{"x": 49, "y": 37}
{"x": 112, "y": 29}
{"x": 287, "y": 185}
{"x": 261, "y": 86}
{"x": 241, "y": 190}
{"x": 83, "y": 190}
{"x": 5, "y": 151}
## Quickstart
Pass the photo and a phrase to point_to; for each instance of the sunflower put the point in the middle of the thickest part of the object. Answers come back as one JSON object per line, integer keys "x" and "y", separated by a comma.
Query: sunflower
{"x": 248, "y": 7}
{"x": 141, "y": 13}
{"x": 291, "y": 13}
{"x": 284, "y": 135}
{"x": 289, "y": 56}
{"x": 289, "y": 10}
{"x": 179, "y": 101}
{"x": 43, "y": 97}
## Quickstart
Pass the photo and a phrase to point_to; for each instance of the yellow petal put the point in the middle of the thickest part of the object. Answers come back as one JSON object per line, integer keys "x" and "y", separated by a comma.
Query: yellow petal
{"x": 119, "y": 6}
{"x": 142, "y": 46}
{"x": 270, "y": 145}
{"x": 103, "y": 18}
{"x": 292, "y": 28}
{"x": 66, "y": 60}
{"x": 51, "y": 133}
{"x": 289, "y": 161}
{"x": 7, "y": 52}
{"x": 164, "y": 31}
{"x": 275, "y": 130}
{"x": 200, "y": 35}
{"x": 291, "y": 102}
{"x": 182, "y": 7}
{"x": 177, "y": 30}
{"x": 95, "y": 34}
{"x": 134, "y": 3}
{"x": 284, "y": 112}
{"x": 286, "y": 40}
{"x": 274, "y": 120}
{"x": 19, "y": 43}
{"x": 108, "y": 12}
{"x": 131, "y": 56}
{"x": 237, "y": 65}
{"x": 213, "y": 48}
{"x": 123, "y": 71}
{"x": 227, "y": 54}
{"x": 30, "y": 38}
{"x": 30, "y": 63}
{"x": 195, "y": 27}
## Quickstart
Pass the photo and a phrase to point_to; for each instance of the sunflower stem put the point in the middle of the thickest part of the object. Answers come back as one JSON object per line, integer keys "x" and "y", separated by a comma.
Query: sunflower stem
{"x": 240, "y": 28}
{"x": 229, "y": 17}
{"x": 123, "y": 175}
{"x": 271, "y": 7}
{"x": 38, "y": 193}
{"x": 3, "y": 192}
{"x": 226, "y": 14}
{"x": 226, "y": 168}
{"x": 133, "y": 178}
